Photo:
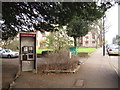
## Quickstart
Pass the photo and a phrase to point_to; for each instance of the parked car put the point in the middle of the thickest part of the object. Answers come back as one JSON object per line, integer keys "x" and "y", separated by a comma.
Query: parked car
{"x": 110, "y": 45}
{"x": 8, "y": 53}
{"x": 0, "y": 48}
{"x": 113, "y": 49}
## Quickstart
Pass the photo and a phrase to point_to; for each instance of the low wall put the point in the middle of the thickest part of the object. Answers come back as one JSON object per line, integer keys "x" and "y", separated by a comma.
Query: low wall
{"x": 83, "y": 54}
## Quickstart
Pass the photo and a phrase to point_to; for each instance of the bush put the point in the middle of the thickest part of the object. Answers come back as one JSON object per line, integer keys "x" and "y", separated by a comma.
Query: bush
{"x": 60, "y": 61}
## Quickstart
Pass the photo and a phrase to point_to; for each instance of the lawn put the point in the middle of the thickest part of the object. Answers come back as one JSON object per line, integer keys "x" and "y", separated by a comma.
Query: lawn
{"x": 89, "y": 50}
{"x": 39, "y": 51}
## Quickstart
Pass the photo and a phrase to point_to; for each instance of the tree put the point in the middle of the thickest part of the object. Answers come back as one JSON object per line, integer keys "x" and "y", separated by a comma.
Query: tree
{"x": 97, "y": 27}
{"x": 80, "y": 23}
{"x": 59, "y": 39}
{"x": 77, "y": 28}
{"x": 23, "y": 16}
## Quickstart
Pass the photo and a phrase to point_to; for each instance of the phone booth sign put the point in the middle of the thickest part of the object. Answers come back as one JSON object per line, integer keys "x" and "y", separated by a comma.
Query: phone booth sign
{"x": 27, "y": 56}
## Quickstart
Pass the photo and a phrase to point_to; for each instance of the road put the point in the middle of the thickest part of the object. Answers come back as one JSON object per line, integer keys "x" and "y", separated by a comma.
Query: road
{"x": 115, "y": 63}
{"x": 9, "y": 69}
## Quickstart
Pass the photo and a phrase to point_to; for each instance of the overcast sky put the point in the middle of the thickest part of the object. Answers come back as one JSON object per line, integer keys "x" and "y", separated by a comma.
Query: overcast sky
{"x": 112, "y": 23}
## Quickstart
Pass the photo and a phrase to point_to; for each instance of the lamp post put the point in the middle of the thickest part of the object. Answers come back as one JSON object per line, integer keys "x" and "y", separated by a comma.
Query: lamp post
{"x": 103, "y": 36}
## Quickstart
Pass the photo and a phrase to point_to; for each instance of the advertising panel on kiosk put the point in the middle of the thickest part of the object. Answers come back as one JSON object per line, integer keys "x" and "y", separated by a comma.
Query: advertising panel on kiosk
{"x": 27, "y": 50}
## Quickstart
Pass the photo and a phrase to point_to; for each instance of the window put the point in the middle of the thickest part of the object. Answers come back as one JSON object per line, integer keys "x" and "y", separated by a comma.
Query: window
{"x": 43, "y": 38}
{"x": 7, "y": 51}
{"x": 93, "y": 39}
{"x": 86, "y": 44}
{"x": 93, "y": 44}
{"x": 3, "y": 52}
{"x": 86, "y": 39}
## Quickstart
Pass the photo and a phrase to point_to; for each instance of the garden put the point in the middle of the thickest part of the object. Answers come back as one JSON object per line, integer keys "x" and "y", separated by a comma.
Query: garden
{"x": 60, "y": 61}
{"x": 80, "y": 50}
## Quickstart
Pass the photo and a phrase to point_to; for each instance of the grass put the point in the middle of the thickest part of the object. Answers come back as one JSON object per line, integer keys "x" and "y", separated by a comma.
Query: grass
{"x": 39, "y": 51}
{"x": 87, "y": 50}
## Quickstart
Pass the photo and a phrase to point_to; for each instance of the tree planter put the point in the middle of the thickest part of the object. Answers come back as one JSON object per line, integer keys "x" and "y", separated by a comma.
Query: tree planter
{"x": 62, "y": 71}
{"x": 83, "y": 54}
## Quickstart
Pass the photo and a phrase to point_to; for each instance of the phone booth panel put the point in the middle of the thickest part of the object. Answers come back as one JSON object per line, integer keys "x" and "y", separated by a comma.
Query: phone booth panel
{"x": 27, "y": 51}
{"x": 27, "y": 65}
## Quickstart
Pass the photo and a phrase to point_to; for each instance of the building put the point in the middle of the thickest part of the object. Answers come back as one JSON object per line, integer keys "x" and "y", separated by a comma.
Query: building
{"x": 41, "y": 36}
{"x": 116, "y": 40}
{"x": 89, "y": 40}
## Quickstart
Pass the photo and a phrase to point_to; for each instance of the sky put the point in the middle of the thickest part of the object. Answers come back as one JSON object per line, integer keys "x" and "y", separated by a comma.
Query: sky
{"x": 111, "y": 23}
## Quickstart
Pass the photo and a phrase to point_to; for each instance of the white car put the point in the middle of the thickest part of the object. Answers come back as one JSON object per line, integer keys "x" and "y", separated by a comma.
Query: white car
{"x": 114, "y": 49}
{"x": 0, "y": 48}
{"x": 8, "y": 53}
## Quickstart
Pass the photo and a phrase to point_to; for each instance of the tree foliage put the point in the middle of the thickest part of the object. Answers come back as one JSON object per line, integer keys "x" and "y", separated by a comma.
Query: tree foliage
{"x": 79, "y": 25}
{"x": 27, "y": 16}
{"x": 59, "y": 40}
{"x": 77, "y": 28}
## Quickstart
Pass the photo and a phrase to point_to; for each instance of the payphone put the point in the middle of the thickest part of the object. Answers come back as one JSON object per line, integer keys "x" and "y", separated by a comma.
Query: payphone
{"x": 27, "y": 52}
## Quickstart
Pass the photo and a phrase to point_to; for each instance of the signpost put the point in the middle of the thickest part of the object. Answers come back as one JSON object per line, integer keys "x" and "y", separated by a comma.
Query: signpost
{"x": 27, "y": 52}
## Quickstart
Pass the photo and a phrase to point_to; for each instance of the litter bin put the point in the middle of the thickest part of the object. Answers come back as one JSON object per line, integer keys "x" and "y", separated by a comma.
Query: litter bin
{"x": 73, "y": 50}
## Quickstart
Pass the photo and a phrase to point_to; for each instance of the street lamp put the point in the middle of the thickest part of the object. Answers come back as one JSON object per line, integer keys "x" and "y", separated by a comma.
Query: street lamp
{"x": 103, "y": 36}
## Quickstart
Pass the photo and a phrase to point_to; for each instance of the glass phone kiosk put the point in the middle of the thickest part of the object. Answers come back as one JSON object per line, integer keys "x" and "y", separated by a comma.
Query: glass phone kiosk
{"x": 27, "y": 58}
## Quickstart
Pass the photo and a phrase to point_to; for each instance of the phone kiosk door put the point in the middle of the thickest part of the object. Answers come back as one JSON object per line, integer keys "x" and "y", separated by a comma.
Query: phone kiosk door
{"x": 27, "y": 52}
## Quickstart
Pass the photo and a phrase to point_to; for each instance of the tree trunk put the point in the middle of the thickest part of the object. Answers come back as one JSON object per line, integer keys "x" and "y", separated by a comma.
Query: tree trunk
{"x": 75, "y": 43}
{"x": 96, "y": 44}
{"x": 101, "y": 38}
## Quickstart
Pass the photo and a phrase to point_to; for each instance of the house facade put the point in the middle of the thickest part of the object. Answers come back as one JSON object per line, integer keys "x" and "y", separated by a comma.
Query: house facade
{"x": 41, "y": 36}
{"x": 89, "y": 40}
{"x": 116, "y": 40}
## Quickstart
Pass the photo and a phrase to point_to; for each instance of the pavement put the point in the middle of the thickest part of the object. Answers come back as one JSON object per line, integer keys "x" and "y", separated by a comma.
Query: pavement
{"x": 95, "y": 72}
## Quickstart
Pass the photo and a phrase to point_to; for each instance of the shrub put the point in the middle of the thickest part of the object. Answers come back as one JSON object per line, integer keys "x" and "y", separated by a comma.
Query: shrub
{"x": 61, "y": 61}
{"x": 14, "y": 45}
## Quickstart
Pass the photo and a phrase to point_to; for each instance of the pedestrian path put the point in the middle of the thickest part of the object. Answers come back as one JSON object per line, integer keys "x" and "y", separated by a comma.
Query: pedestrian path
{"x": 96, "y": 72}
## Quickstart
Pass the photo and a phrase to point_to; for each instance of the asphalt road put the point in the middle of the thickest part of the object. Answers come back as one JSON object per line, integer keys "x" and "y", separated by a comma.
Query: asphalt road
{"x": 114, "y": 61}
{"x": 9, "y": 69}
